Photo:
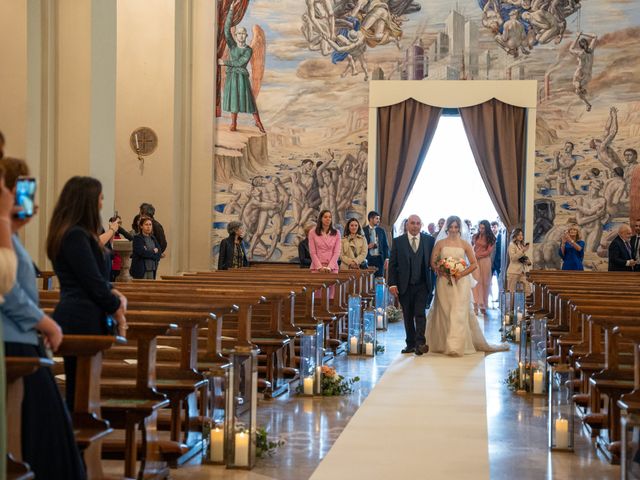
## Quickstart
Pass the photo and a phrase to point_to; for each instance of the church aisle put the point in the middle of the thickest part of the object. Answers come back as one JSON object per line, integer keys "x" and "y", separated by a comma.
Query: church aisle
{"x": 426, "y": 418}
{"x": 516, "y": 435}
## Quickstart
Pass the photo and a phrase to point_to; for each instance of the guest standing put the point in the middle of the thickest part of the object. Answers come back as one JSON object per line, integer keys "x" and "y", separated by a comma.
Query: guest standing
{"x": 353, "y": 253}
{"x": 378, "y": 246}
{"x": 519, "y": 262}
{"x": 635, "y": 244}
{"x": 572, "y": 249}
{"x": 232, "y": 252}
{"x": 483, "y": 244}
{"x": 496, "y": 262}
{"x": 117, "y": 232}
{"x": 8, "y": 262}
{"x": 148, "y": 210}
{"x": 146, "y": 252}
{"x": 324, "y": 245}
{"x": 621, "y": 257}
{"x": 304, "y": 255}
{"x": 88, "y": 305}
{"x": 48, "y": 442}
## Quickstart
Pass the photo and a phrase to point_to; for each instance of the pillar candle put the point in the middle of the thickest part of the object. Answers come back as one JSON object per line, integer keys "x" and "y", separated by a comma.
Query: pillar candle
{"x": 520, "y": 375}
{"x": 308, "y": 385}
{"x": 368, "y": 348}
{"x": 380, "y": 323}
{"x": 353, "y": 345}
{"x": 519, "y": 316}
{"x": 517, "y": 334}
{"x": 217, "y": 445}
{"x": 241, "y": 458}
{"x": 507, "y": 319}
{"x": 537, "y": 382}
{"x": 562, "y": 433}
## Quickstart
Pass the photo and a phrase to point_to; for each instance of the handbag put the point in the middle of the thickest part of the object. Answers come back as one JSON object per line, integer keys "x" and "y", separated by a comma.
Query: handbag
{"x": 364, "y": 265}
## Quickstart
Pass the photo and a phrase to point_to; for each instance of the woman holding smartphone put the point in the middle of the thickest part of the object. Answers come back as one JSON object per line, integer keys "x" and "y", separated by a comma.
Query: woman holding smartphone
{"x": 88, "y": 305}
{"x": 572, "y": 249}
{"x": 519, "y": 262}
{"x": 48, "y": 442}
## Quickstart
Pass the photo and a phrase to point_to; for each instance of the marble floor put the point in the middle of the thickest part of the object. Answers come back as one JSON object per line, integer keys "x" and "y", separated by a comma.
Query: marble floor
{"x": 516, "y": 426}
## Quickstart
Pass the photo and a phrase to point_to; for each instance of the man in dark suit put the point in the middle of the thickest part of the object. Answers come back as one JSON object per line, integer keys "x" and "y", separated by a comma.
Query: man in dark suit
{"x": 635, "y": 245}
{"x": 378, "y": 254}
{"x": 410, "y": 280}
{"x": 621, "y": 255}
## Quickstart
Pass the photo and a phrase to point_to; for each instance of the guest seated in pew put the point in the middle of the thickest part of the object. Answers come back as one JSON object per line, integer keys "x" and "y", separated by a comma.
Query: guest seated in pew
{"x": 88, "y": 305}
{"x": 519, "y": 262}
{"x": 324, "y": 245}
{"x": 572, "y": 249}
{"x": 304, "y": 255}
{"x": 146, "y": 252}
{"x": 621, "y": 258}
{"x": 354, "y": 249}
{"x": 232, "y": 252}
{"x": 48, "y": 442}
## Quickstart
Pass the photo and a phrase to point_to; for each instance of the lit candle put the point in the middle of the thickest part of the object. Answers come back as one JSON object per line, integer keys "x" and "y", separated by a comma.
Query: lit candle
{"x": 519, "y": 316}
{"x": 308, "y": 385}
{"x": 353, "y": 345}
{"x": 520, "y": 374}
{"x": 137, "y": 143}
{"x": 517, "y": 334}
{"x": 380, "y": 321}
{"x": 562, "y": 433}
{"x": 217, "y": 445}
{"x": 537, "y": 382}
{"x": 242, "y": 450}
{"x": 507, "y": 319}
{"x": 368, "y": 348}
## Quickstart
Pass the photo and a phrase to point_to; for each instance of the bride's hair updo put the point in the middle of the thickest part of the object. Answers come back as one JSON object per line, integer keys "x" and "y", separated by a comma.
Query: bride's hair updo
{"x": 453, "y": 219}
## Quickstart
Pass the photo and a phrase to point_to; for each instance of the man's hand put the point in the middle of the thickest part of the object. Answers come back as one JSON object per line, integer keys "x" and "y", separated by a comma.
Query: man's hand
{"x": 393, "y": 291}
{"x": 371, "y": 245}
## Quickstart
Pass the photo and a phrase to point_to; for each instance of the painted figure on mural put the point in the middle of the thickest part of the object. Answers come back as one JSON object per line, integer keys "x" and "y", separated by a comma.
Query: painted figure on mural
{"x": 615, "y": 193}
{"x": 582, "y": 48}
{"x": 318, "y": 24}
{"x": 513, "y": 38}
{"x": 591, "y": 214}
{"x": 238, "y": 96}
{"x": 604, "y": 151}
{"x": 631, "y": 157}
{"x": 560, "y": 171}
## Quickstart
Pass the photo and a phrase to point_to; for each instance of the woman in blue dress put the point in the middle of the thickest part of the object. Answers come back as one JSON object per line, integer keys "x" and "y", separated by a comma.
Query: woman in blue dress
{"x": 572, "y": 249}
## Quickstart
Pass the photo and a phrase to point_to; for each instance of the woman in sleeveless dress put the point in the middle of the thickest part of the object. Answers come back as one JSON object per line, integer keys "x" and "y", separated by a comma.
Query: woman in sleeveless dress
{"x": 452, "y": 326}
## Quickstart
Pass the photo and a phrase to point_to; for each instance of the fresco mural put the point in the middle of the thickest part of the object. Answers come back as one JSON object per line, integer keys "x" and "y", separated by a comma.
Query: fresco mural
{"x": 292, "y": 113}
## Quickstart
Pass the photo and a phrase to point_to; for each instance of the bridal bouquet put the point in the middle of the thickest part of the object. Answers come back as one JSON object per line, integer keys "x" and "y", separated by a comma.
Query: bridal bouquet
{"x": 448, "y": 266}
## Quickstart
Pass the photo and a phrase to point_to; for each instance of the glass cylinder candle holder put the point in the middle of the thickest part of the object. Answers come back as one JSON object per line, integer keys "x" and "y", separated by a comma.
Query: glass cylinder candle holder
{"x": 630, "y": 447}
{"x": 369, "y": 332}
{"x": 506, "y": 313}
{"x": 213, "y": 427}
{"x": 524, "y": 356}
{"x": 311, "y": 357}
{"x": 561, "y": 414}
{"x": 537, "y": 350}
{"x": 381, "y": 304}
{"x": 354, "y": 325}
{"x": 240, "y": 428}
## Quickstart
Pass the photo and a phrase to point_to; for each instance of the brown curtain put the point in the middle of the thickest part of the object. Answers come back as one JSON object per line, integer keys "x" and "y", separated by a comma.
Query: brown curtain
{"x": 405, "y": 131}
{"x": 497, "y": 135}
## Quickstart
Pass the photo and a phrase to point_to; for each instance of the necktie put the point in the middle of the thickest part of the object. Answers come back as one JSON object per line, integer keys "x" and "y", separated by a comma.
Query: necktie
{"x": 414, "y": 244}
{"x": 628, "y": 246}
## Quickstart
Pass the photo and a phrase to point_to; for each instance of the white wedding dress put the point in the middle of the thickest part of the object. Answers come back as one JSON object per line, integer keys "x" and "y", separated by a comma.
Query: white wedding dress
{"x": 452, "y": 326}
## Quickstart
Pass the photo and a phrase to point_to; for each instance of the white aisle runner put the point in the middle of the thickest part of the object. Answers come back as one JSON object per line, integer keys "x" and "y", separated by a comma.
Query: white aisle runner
{"x": 425, "y": 419}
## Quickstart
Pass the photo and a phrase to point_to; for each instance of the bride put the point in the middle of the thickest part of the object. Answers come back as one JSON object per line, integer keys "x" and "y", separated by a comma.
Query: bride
{"x": 452, "y": 327}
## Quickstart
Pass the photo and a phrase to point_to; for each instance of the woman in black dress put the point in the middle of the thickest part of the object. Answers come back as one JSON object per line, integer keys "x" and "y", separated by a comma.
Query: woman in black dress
{"x": 88, "y": 305}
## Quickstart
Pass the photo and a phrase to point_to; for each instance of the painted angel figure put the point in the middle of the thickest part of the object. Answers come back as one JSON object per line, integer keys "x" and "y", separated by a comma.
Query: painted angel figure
{"x": 238, "y": 94}
{"x": 582, "y": 48}
{"x": 318, "y": 22}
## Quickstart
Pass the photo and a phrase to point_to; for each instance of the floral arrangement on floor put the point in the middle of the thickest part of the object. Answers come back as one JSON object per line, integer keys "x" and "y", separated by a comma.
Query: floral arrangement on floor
{"x": 449, "y": 266}
{"x": 334, "y": 384}
{"x": 393, "y": 314}
{"x": 264, "y": 446}
{"x": 513, "y": 379}
{"x": 379, "y": 348}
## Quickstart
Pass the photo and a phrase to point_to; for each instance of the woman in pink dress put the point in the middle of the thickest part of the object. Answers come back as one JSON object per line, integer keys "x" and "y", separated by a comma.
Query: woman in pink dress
{"x": 324, "y": 245}
{"x": 483, "y": 243}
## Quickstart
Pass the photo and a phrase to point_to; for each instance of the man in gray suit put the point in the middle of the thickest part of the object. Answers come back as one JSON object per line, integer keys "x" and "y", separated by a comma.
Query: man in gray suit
{"x": 410, "y": 279}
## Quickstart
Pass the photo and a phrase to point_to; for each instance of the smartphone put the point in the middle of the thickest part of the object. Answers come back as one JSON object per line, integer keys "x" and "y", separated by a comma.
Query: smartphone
{"x": 25, "y": 196}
